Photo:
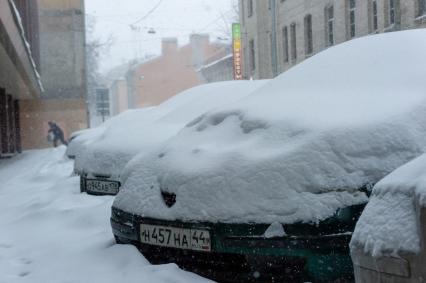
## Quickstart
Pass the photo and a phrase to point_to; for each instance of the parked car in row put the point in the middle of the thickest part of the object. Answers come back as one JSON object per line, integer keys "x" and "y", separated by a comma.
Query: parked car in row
{"x": 102, "y": 161}
{"x": 269, "y": 188}
{"x": 388, "y": 244}
{"x": 79, "y": 139}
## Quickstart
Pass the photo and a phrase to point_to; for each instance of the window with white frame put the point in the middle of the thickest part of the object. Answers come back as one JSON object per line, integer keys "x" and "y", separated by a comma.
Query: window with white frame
{"x": 351, "y": 8}
{"x": 329, "y": 20}
{"x": 285, "y": 45}
{"x": 309, "y": 45}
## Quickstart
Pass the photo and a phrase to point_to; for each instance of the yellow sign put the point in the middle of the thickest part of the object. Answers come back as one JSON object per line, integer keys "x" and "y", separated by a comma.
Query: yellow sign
{"x": 237, "y": 52}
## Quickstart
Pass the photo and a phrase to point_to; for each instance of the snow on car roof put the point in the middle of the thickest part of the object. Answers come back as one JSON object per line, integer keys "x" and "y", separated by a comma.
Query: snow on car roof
{"x": 298, "y": 148}
{"x": 390, "y": 222}
{"x": 143, "y": 131}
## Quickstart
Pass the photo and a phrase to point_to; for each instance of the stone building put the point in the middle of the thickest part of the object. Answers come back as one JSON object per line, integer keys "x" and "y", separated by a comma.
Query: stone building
{"x": 175, "y": 70}
{"x": 19, "y": 78}
{"x": 62, "y": 68}
{"x": 278, "y": 34}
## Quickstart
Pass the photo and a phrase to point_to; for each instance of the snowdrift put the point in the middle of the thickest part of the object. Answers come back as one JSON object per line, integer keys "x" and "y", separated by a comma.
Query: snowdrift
{"x": 143, "y": 130}
{"x": 298, "y": 148}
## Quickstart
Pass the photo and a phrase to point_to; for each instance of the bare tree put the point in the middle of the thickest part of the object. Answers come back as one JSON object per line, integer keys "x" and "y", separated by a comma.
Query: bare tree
{"x": 95, "y": 48}
{"x": 228, "y": 18}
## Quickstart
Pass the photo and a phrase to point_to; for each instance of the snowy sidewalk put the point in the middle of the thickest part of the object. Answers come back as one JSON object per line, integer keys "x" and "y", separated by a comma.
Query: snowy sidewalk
{"x": 52, "y": 233}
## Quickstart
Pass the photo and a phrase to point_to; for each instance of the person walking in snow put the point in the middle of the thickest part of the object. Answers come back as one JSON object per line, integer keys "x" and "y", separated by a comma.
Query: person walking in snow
{"x": 56, "y": 134}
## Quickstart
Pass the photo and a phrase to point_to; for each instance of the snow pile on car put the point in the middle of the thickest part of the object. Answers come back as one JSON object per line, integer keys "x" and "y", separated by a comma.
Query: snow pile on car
{"x": 390, "y": 223}
{"x": 143, "y": 131}
{"x": 80, "y": 138}
{"x": 300, "y": 147}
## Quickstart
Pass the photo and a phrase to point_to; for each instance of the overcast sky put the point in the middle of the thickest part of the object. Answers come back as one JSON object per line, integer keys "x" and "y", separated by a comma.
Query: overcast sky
{"x": 177, "y": 18}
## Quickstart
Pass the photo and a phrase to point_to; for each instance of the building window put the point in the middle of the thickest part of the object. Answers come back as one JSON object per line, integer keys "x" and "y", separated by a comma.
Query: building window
{"x": 309, "y": 45}
{"x": 293, "y": 42}
{"x": 391, "y": 12}
{"x": 375, "y": 21}
{"x": 351, "y": 7}
{"x": 243, "y": 13}
{"x": 422, "y": 7}
{"x": 250, "y": 7}
{"x": 285, "y": 44}
{"x": 252, "y": 56}
{"x": 329, "y": 20}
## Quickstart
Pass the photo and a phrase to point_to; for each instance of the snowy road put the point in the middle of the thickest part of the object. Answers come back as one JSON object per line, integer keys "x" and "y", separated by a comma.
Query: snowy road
{"x": 52, "y": 233}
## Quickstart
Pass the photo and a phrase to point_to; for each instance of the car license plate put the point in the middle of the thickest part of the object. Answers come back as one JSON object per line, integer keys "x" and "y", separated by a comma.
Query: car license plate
{"x": 180, "y": 238}
{"x": 107, "y": 187}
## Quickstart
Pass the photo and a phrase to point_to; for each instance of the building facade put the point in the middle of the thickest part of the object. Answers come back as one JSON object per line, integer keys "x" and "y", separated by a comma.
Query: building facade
{"x": 19, "y": 78}
{"x": 175, "y": 70}
{"x": 218, "y": 67}
{"x": 278, "y": 34}
{"x": 63, "y": 72}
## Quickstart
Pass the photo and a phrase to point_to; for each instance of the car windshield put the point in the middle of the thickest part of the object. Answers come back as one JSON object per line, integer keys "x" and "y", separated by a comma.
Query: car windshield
{"x": 212, "y": 140}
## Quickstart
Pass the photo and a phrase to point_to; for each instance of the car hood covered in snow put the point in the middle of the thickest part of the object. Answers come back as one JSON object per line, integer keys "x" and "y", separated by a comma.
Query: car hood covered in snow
{"x": 300, "y": 147}
{"x": 142, "y": 130}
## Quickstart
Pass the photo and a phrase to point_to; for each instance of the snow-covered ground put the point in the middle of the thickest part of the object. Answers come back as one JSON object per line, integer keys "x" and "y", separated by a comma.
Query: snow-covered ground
{"x": 52, "y": 233}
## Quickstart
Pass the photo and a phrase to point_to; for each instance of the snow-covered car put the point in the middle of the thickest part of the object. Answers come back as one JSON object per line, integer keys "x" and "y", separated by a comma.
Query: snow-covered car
{"x": 388, "y": 244}
{"x": 102, "y": 161}
{"x": 269, "y": 188}
{"x": 78, "y": 140}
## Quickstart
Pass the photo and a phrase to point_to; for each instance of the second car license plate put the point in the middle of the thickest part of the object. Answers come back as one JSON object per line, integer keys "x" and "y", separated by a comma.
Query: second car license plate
{"x": 106, "y": 187}
{"x": 181, "y": 238}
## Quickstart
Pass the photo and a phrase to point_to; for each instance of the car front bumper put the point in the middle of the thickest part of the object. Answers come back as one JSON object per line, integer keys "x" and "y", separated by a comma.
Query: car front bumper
{"x": 238, "y": 258}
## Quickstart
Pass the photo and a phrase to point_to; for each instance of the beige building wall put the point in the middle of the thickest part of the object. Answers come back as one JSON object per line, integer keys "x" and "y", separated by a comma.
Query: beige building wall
{"x": 119, "y": 98}
{"x": 69, "y": 114}
{"x": 258, "y": 27}
{"x": 63, "y": 73}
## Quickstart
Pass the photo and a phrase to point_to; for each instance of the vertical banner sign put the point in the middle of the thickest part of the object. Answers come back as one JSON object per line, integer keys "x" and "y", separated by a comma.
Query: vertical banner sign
{"x": 236, "y": 44}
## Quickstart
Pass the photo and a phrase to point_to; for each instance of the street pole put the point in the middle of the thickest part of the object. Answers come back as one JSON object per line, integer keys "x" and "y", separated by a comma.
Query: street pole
{"x": 274, "y": 54}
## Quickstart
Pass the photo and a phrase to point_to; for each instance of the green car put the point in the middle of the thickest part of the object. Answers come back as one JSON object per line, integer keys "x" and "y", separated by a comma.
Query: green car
{"x": 241, "y": 252}
{"x": 269, "y": 188}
